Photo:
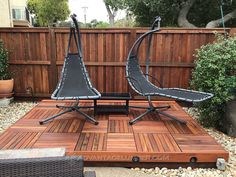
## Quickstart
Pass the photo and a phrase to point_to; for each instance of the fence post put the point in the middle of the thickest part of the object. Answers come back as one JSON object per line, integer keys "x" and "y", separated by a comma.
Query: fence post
{"x": 133, "y": 35}
{"x": 232, "y": 32}
{"x": 53, "y": 67}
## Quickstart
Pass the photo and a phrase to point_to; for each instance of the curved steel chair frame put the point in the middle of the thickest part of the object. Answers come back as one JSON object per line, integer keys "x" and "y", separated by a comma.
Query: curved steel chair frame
{"x": 94, "y": 94}
{"x": 136, "y": 84}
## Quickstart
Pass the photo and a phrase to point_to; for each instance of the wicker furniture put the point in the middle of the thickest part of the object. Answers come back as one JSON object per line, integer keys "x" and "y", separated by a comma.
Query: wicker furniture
{"x": 67, "y": 166}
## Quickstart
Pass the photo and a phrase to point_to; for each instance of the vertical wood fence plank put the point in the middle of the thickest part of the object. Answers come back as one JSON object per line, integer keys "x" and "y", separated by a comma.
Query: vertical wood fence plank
{"x": 53, "y": 68}
{"x": 38, "y": 54}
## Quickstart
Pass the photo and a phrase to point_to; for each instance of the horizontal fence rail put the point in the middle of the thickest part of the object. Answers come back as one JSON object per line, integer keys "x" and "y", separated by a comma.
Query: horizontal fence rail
{"x": 36, "y": 56}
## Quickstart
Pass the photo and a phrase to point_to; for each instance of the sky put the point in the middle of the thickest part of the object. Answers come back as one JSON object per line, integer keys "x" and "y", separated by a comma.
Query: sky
{"x": 95, "y": 10}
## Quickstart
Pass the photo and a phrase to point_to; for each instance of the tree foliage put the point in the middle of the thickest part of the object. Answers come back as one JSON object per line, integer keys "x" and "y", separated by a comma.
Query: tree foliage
{"x": 125, "y": 22}
{"x": 48, "y": 12}
{"x": 115, "y": 4}
{"x": 112, "y": 7}
{"x": 215, "y": 72}
{"x": 97, "y": 24}
{"x": 146, "y": 10}
{"x": 4, "y": 65}
{"x": 186, "y": 13}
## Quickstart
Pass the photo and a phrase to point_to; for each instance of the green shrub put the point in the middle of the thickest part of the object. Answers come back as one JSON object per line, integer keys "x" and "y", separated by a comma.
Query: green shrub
{"x": 4, "y": 66}
{"x": 215, "y": 72}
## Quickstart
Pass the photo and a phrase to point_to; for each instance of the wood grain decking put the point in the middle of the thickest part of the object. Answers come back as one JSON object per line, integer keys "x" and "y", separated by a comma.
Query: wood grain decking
{"x": 155, "y": 139}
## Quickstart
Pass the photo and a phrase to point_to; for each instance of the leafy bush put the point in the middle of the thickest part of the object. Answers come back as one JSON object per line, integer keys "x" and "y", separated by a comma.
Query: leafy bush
{"x": 215, "y": 72}
{"x": 4, "y": 66}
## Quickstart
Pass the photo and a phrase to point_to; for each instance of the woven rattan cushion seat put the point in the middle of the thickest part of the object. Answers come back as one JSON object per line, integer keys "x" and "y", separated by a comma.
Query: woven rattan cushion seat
{"x": 67, "y": 166}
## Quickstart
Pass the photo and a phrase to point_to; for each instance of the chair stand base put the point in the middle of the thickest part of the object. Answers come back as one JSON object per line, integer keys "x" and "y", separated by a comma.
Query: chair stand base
{"x": 71, "y": 109}
{"x": 154, "y": 109}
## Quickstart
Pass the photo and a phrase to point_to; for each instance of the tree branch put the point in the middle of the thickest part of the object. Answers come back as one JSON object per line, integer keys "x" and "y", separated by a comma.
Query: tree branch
{"x": 227, "y": 17}
{"x": 108, "y": 9}
{"x": 182, "y": 18}
{"x": 111, "y": 15}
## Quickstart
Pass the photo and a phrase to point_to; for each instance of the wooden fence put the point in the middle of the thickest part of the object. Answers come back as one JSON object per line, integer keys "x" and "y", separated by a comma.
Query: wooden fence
{"x": 36, "y": 56}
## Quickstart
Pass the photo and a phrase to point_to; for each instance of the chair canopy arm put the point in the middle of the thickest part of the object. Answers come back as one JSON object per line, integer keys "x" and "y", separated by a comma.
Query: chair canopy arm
{"x": 73, "y": 17}
{"x": 157, "y": 22}
{"x": 134, "y": 49}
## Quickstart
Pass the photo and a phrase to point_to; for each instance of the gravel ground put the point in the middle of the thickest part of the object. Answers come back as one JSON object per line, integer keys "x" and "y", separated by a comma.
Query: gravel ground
{"x": 12, "y": 113}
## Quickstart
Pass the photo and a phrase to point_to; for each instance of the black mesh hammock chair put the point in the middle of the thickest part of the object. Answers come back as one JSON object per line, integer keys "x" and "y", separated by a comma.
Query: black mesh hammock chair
{"x": 140, "y": 83}
{"x": 74, "y": 83}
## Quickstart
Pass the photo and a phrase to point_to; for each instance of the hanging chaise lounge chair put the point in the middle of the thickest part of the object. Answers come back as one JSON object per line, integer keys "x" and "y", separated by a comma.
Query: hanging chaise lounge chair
{"x": 140, "y": 83}
{"x": 74, "y": 83}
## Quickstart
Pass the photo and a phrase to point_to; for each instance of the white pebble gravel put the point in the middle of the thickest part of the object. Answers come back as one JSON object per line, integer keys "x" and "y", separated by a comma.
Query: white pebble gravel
{"x": 10, "y": 114}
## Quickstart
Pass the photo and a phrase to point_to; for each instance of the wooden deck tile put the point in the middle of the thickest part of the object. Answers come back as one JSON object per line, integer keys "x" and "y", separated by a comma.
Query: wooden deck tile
{"x": 136, "y": 112}
{"x": 173, "y": 106}
{"x": 27, "y": 125}
{"x": 121, "y": 142}
{"x": 119, "y": 124}
{"x": 65, "y": 126}
{"x": 41, "y": 113}
{"x": 92, "y": 142}
{"x": 102, "y": 117}
{"x": 52, "y": 104}
{"x": 50, "y": 140}
{"x": 148, "y": 142}
{"x": 48, "y": 104}
{"x": 181, "y": 114}
{"x": 196, "y": 143}
{"x": 100, "y": 128}
{"x": 153, "y": 139}
{"x": 150, "y": 127}
{"x": 190, "y": 128}
{"x": 18, "y": 140}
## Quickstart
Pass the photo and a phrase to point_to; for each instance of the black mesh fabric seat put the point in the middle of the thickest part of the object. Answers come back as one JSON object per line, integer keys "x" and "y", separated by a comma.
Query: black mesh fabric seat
{"x": 74, "y": 83}
{"x": 141, "y": 84}
{"x": 146, "y": 88}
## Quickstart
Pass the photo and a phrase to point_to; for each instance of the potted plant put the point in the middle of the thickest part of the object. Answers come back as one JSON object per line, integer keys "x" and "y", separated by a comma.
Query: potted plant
{"x": 6, "y": 82}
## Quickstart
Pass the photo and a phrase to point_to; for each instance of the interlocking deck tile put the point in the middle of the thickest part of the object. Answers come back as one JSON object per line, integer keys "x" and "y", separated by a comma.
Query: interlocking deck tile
{"x": 18, "y": 140}
{"x": 100, "y": 128}
{"x": 150, "y": 127}
{"x": 197, "y": 143}
{"x": 119, "y": 124}
{"x": 152, "y": 142}
{"x": 152, "y": 139}
{"x": 121, "y": 142}
{"x": 92, "y": 142}
{"x": 67, "y": 140}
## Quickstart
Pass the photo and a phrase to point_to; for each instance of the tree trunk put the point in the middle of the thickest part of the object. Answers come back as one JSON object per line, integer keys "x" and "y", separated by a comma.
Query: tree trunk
{"x": 111, "y": 15}
{"x": 182, "y": 18}
{"x": 216, "y": 23}
{"x": 111, "y": 21}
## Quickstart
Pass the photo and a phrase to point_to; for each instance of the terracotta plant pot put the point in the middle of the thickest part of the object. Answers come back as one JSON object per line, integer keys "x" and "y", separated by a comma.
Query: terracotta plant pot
{"x": 6, "y": 86}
